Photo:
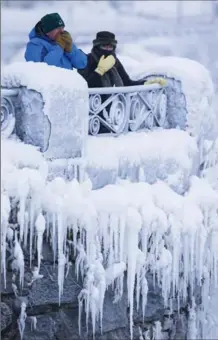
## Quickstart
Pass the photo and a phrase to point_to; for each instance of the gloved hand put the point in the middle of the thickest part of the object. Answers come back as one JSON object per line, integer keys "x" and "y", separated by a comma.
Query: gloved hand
{"x": 66, "y": 37}
{"x": 160, "y": 81}
{"x": 105, "y": 64}
{"x": 60, "y": 41}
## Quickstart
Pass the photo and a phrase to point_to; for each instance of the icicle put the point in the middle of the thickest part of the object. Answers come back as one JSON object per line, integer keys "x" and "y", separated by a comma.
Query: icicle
{"x": 22, "y": 319}
{"x": 5, "y": 211}
{"x": 61, "y": 256}
{"x": 40, "y": 228}
{"x": 33, "y": 322}
{"x": 114, "y": 229}
{"x": 192, "y": 329}
{"x": 93, "y": 307}
{"x": 164, "y": 265}
{"x": 116, "y": 233}
{"x": 144, "y": 286}
{"x": 75, "y": 232}
{"x": 47, "y": 226}
{"x": 103, "y": 224}
{"x": 139, "y": 272}
{"x": 18, "y": 262}
{"x": 100, "y": 278}
{"x": 176, "y": 242}
{"x": 23, "y": 191}
{"x": 122, "y": 226}
{"x": 80, "y": 261}
{"x": 158, "y": 331}
{"x": 134, "y": 224}
{"x": 15, "y": 289}
{"x": 200, "y": 251}
{"x": 54, "y": 237}
{"x": 26, "y": 218}
{"x": 31, "y": 214}
{"x": 61, "y": 268}
{"x": 80, "y": 311}
{"x": 186, "y": 255}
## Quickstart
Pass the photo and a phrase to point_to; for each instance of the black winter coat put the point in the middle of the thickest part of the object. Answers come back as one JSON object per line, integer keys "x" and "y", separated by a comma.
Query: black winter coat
{"x": 96, "y": 80}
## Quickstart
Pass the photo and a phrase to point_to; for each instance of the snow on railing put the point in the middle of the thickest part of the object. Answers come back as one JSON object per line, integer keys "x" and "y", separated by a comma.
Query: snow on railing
{"x": 7, "y": 112}
{"x": 120, "y": 109}
{"x": 116, "y": 109}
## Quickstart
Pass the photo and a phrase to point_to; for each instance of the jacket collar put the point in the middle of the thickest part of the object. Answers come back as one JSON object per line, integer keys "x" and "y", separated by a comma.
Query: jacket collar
{"x": 33, "y": 35}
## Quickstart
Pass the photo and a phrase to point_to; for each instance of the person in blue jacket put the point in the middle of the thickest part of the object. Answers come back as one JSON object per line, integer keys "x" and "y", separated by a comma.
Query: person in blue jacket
{"x": 51, "y": 44}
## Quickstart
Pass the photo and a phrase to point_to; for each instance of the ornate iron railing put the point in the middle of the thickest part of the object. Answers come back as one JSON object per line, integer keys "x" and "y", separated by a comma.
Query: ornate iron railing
{"x": 7, "y": 111}
{"x": 121, "y": 109}
{"x": 114, "y": 110}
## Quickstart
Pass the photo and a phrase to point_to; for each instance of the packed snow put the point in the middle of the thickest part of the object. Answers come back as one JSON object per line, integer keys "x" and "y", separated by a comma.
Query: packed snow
{"x": 152, "y": 154}
{"x": 64, "y": 100}
{"x": 197, "y": 86}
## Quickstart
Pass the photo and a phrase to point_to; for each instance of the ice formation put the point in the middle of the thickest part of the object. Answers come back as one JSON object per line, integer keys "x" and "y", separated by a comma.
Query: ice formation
{"x": 122, "y": 227}
{"x": 197, "y": 87}
{"x": 65, "y": 105}
{"x": 152, "y": 153}
{"x": 158, "y": 214}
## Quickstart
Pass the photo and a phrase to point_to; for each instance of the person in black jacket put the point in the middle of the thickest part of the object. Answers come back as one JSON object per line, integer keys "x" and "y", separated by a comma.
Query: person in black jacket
{"x": 104, "y": 69}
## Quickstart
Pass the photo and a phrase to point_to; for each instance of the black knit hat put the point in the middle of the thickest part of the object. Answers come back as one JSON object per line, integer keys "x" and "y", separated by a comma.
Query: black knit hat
{"x": 105, "y": 38}
{"x": 51, "y": 21}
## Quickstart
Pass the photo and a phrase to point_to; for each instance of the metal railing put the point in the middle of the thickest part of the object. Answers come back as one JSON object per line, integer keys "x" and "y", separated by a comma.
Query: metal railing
{"x": 111, "y": 109}
{"x": 121, "y": 109}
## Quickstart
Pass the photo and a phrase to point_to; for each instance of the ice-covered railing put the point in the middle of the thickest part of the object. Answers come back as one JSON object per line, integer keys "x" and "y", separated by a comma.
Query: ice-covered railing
{"x": 184, "y": 103}
{"x": 122, "y": 109}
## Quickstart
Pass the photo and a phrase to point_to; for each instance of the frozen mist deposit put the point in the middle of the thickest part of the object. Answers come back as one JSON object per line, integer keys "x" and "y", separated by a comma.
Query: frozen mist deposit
{"x": 125, "y": 227}
{"x": 145, "y": 212}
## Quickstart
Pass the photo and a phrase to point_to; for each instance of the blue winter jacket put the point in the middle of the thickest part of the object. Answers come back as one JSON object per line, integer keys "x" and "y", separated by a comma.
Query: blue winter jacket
{"x": 43, "y": 49}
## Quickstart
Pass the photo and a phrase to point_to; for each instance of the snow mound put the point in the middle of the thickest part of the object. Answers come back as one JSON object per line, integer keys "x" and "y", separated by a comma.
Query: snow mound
{"x": 197, "y": 86}
{"x": 169, "y": 155}
{"x": 64, "y": 102}
{"x": 210, "y": 166}
{"x": 19, "y": 163}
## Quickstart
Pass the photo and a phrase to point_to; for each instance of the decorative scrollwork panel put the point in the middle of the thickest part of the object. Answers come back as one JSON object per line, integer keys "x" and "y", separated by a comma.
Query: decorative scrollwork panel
{"x": 127, "y": 111}
{"x": 7, "y": 117}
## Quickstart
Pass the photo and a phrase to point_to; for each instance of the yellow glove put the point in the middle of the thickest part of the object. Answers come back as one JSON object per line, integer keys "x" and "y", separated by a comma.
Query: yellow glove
{"x": 66, "y": 37}
{"x": 160, "y": 81}
{"x": 60, "y": 41}
{"x": 105, "y": 64}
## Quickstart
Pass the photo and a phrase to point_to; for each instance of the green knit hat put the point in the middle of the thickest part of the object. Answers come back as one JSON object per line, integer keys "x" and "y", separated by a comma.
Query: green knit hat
{"x": 51, "y": 21}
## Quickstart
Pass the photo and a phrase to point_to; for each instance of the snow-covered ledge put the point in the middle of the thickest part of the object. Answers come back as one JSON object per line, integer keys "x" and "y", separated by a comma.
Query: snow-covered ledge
{"x": 185, "y": 102}
{"x": 169, "y": 155}
{"x": 51, "y": 108}
{"x": 195, "y": 80}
